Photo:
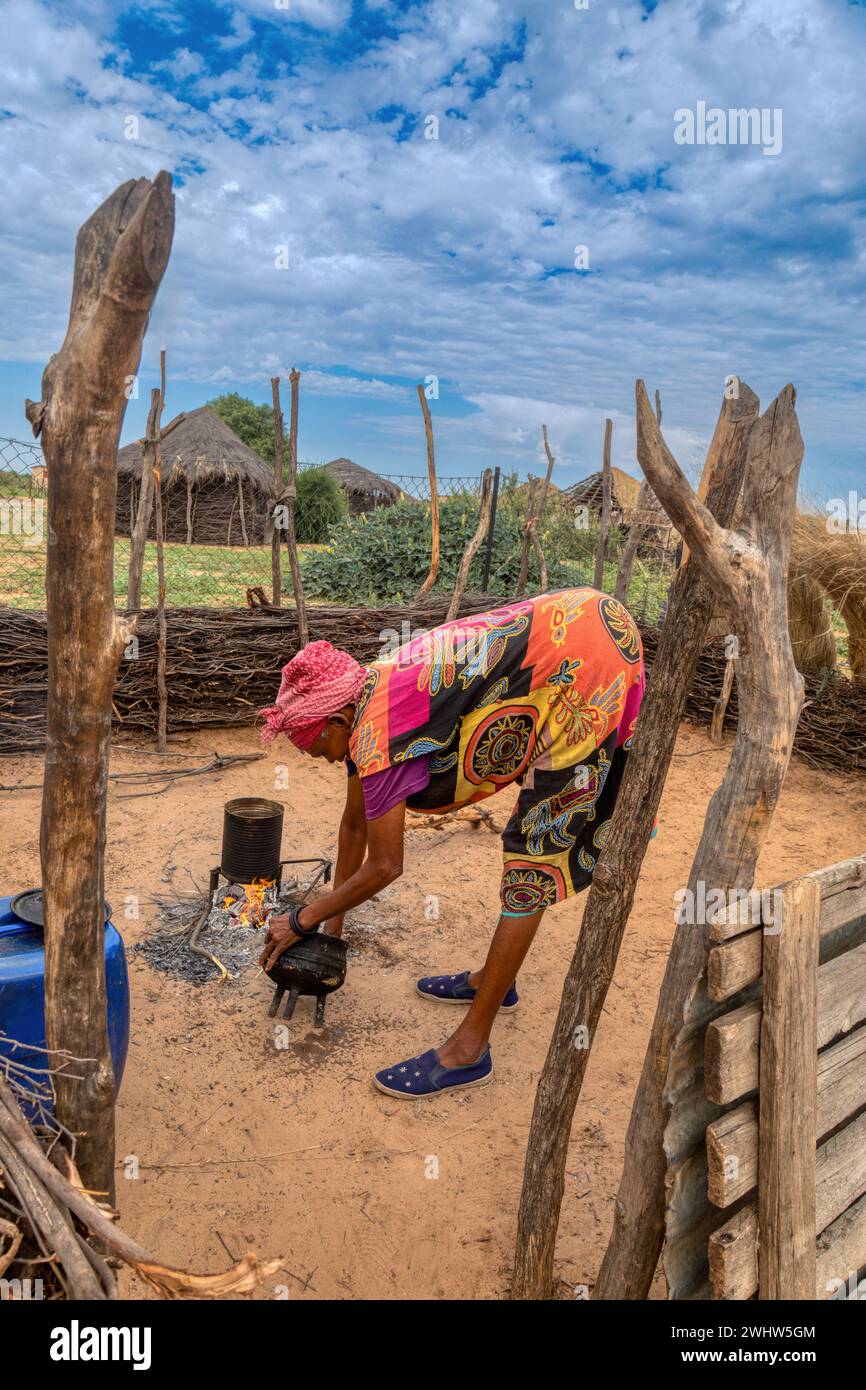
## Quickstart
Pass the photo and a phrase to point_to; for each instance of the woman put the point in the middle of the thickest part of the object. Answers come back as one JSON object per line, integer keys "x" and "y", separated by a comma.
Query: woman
{"x": 542, "y": 694}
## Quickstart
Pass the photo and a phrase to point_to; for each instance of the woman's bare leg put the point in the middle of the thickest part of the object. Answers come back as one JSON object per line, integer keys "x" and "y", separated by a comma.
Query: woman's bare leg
{"x": 511, "y": 941}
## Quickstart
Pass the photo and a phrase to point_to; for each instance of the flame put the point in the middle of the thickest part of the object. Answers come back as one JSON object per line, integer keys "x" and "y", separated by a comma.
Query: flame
{"x": 253, "y": 913}
{"x": 255, "y": 895}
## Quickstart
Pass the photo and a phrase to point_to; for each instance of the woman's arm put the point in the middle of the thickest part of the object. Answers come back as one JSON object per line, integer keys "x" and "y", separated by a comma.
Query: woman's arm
{"x": 351, "y": 845}
{"x": 384, "y": 863}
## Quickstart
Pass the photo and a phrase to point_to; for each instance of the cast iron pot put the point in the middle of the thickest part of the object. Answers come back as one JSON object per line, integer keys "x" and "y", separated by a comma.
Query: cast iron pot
{"x": 316, "y": 965}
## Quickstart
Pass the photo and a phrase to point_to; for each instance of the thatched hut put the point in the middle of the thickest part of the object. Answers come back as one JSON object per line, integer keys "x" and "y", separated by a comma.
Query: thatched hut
{"x": 624, "y": 490}
{"x": 364, "y": 490}
{"x": 826, "y": 568}
{"x": 629, "y": 503}
{"x": 215, "y": 490}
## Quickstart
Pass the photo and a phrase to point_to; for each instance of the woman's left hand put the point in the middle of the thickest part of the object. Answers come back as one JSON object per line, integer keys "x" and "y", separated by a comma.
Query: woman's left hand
{"x": 279, "y": 938}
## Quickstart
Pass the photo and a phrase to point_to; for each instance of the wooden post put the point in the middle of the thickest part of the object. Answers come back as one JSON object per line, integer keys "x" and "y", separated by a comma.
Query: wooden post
{"x": 611, "y": 893}
{"x": 120, "y": 255}
{"x": 279, "y": 447}
{"x": 189, "y": 511}
{"x": 717, "y": 723}
{"x": 433, "y": 573}
{"x": 243, "y": 517}
{"x": 153, "y": 465}
{"x": 749, "y": 574}
{"x": 645, "y": 500}
{"x": 530, "y": 537}
{"x": 604, "y": 525}
{"x": 472, "y": 546}
{"x": 290, "y": 494}
{"x": 488, "y": 549}
{"x": 138, "y": 538}
{"x": 546, "y": 484}
{"x": 539, "y": 555}
{"x": 788, "y": 1097}
{"x": 523, "y": 577}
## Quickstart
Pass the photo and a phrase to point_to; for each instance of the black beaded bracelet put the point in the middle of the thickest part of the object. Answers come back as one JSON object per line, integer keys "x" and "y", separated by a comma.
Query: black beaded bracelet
{"x": 296, "y": 926}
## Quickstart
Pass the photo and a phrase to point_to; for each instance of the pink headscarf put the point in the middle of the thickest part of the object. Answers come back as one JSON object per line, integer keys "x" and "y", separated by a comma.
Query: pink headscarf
{"x": 317, "y": 682}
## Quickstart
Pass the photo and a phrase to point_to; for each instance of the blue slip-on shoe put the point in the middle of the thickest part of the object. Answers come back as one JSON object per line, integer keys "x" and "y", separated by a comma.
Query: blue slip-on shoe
{"x": 421, "y": 1078}
{"x": 455, "y": 989}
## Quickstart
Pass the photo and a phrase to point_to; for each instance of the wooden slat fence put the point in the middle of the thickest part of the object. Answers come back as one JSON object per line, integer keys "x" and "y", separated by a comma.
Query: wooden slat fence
{"x": 787, "y": 1156}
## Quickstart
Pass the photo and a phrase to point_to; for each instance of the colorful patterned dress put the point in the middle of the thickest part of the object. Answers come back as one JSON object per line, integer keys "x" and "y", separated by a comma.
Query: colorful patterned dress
{"x": 543, "y": 693}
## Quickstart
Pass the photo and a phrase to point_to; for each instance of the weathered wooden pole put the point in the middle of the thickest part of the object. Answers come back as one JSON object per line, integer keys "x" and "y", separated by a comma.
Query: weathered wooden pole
{"x": 488, "y": 549}
{"x": 749, "y": 572}
{"x": 523, "y": 577}
{"x": 433, "y": 572}
{"x": 788, "y": 1098}
{"x": 152, "y": 464}
{"x": 530, "y": 536}
{"x": 645, "y": 501}
{"x": 472, "y": 546}
{"x": 604, "y": 524}
{"x": 138, "y": 539}
{"x": 120, "y": 255}
{"x": 611, "y": 893}
{"x": 290, "y": 495}
{"x": 279, "y": 450}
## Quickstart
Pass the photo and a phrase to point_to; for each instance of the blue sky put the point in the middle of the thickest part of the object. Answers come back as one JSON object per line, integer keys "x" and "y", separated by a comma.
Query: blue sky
{"x": 303, "y": 123}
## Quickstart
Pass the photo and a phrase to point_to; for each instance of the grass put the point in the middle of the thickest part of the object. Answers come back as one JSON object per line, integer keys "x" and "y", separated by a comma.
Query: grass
{"x": 210, "y": 576}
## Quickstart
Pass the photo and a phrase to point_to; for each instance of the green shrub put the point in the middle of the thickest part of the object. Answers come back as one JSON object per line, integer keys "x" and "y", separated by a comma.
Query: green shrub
{"x": 383, "y": 556}
{"x": 320, "y": 506}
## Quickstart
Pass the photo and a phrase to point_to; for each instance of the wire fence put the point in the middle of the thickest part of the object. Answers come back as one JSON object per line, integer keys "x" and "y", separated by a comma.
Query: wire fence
{"x": 351, "y": 551}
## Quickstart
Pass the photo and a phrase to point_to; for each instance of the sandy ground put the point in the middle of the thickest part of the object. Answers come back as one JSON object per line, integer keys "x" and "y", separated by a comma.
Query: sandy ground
{"x": 247, "y": 1139}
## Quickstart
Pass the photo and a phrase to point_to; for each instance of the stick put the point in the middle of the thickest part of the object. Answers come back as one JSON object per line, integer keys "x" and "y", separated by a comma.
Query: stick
{"x": 645, "y": 500}
{"x": 532, "y": 518}
{"x": 279, "y": 448}
{"x": 604, "y": 524}
{"x": 153, "y": 456}
{"x": 472, "y": 546}
{"x": 523, "y": 577}
{"x": 433, "y": 573}
{"x": 217, "y": 764}
{"x": 290, "y": 493}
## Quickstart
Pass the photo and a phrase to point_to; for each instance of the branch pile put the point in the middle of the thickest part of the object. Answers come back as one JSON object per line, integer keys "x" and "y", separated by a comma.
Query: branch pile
{"x": 224, "y": 665}
{"x": 831, "y": 733}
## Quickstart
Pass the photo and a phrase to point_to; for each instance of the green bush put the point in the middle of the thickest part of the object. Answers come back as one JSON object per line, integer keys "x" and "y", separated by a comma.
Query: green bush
{"x": 383, "y": 556}
{"x": 320, "y": 506}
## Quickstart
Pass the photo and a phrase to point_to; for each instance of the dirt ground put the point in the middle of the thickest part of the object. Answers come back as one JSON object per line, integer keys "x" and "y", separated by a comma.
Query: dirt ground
{"x": 241, "y": 1143}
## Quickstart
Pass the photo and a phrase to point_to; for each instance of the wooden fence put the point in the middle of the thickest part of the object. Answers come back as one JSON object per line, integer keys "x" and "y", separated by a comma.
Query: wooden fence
{"x": 785, "y": 1161}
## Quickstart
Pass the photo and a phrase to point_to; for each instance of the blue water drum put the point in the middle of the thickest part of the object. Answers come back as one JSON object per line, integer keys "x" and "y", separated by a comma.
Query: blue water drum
{"x": 22, "y": 990}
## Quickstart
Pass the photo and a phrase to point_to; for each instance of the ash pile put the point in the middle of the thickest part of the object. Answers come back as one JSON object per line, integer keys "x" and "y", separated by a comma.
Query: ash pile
{"x": 233, "y": 932}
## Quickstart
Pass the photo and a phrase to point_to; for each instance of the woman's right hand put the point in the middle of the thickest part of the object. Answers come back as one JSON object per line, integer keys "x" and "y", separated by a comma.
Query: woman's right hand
{"x": 278, "y": 939}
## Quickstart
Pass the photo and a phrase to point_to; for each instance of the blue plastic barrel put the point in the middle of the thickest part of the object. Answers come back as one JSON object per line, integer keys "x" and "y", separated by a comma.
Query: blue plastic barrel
{"x": 22, "y": 991}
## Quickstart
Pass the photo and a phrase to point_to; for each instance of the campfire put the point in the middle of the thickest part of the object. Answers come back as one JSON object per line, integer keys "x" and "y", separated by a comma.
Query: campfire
{"x": 248, "y": 904}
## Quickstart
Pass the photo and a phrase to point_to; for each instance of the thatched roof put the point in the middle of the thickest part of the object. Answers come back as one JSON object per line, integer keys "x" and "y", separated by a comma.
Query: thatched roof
{"x": 204, "y": 449}
{"x": 359, "y": 482}
{"x": 624, "y": 491}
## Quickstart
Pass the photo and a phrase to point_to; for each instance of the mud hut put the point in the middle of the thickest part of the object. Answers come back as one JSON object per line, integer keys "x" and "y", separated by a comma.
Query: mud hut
{"x": 364, "y": 490}
{"x": 215, "y": 490}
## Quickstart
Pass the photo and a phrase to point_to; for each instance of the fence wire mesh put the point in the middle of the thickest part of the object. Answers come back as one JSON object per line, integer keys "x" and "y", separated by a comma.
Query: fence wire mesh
{"x": 352, "y": 550}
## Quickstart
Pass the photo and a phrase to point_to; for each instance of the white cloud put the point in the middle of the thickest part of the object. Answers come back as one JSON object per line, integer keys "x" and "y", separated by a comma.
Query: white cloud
{"x": 425, "y": 257}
